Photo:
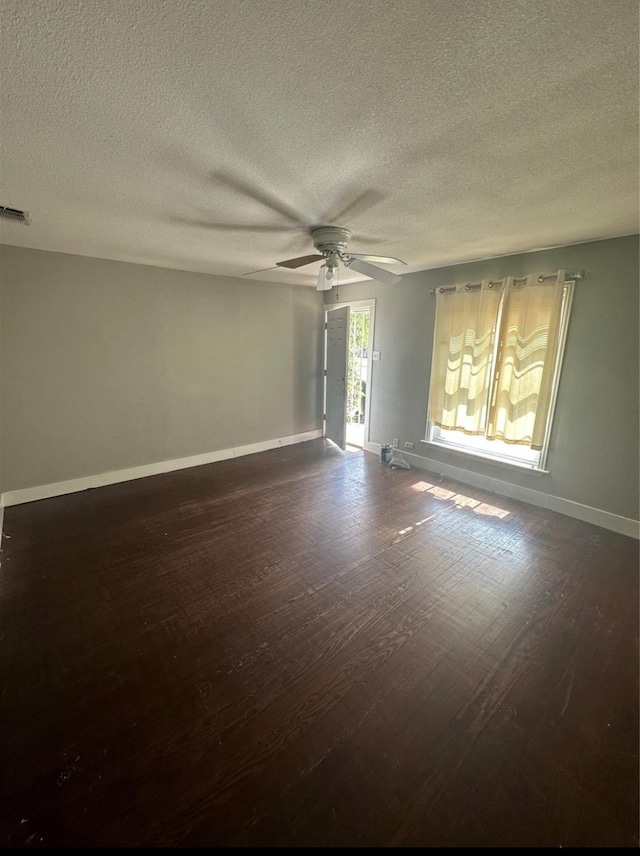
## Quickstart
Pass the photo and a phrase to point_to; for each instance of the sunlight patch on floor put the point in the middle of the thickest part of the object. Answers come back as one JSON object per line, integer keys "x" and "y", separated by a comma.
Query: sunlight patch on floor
{"x": 421, "y": 486}
{"x": 459, "y": 500}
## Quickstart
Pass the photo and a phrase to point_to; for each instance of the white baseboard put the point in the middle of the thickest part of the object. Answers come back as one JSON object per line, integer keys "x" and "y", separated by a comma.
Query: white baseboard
{"x": 613, "y": 522}
{"x": 45, "y": 491}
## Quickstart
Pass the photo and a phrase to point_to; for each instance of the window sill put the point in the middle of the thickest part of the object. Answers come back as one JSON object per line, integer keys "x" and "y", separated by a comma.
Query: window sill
{"x": 467, "y": 453}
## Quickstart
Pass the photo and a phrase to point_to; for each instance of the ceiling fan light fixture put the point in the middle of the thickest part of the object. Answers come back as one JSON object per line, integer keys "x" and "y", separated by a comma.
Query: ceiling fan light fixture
{"x": 322, "y": 279}
{"x": 327, "y": 276}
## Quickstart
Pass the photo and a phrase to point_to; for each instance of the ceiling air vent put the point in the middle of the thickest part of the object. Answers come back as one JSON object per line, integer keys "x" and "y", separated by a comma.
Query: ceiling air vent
{"x": 14, "y": 214}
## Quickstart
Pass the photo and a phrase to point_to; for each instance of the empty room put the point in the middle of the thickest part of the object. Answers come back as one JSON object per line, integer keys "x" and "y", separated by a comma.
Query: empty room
{"x": 319, "y": 423}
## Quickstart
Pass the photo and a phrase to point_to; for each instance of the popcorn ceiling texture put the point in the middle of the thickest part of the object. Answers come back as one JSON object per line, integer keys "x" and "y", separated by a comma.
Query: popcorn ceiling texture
{"x": 459, "y": 129}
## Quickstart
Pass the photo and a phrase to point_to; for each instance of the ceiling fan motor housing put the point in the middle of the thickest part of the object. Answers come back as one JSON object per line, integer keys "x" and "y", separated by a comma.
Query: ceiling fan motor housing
{"x": 330, "y": 240}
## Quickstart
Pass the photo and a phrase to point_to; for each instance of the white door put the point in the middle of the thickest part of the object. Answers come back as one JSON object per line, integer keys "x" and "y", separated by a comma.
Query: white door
{"x": 336, "y": 375}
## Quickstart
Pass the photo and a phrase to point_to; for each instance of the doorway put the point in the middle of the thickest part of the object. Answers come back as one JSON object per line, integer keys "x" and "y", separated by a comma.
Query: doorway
{"x": 358, "y": 319}
{"x": 357, "y": 374}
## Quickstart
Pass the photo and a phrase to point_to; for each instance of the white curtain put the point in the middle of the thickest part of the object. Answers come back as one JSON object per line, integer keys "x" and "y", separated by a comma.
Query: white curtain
{"x": 525, "y": 365}
{"x": 464, "y": 338}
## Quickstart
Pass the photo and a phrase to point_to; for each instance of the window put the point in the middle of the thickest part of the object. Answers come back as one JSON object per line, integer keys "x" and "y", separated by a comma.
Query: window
{"x": 497, "y": 353}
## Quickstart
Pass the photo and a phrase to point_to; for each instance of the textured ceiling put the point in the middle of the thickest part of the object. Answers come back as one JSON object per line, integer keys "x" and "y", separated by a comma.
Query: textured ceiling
{"x": 208, "y": 134}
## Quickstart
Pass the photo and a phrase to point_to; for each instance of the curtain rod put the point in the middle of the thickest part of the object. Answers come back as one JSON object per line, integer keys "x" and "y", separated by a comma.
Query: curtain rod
{"x": 468, "y": 286}
{"x": 579, "y": 274}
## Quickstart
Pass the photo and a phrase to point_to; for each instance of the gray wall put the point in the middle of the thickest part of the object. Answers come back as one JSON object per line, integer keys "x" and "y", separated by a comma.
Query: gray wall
{"x": 593, "y": 456}
{"x": 106, "y": 365}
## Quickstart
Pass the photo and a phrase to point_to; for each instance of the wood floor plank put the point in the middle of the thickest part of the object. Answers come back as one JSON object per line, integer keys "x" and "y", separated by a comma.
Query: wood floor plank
{"x": 307, "y": 648}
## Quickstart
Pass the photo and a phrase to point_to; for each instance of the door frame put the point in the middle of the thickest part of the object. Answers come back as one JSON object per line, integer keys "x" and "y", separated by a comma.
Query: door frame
{"x": 370, "y": 304}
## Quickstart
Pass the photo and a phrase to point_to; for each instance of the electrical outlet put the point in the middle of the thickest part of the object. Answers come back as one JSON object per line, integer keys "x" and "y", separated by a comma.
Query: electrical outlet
{"x": 408, "y": 445}
{"x": 395, "y": 443}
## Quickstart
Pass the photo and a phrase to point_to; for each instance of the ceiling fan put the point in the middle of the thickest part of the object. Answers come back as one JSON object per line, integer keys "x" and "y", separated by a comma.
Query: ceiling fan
{"x": 331, "y": 243}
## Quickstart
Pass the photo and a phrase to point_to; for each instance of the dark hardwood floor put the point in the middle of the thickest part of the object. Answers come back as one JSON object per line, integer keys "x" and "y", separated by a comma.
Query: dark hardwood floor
{"x": 305, "y": 647}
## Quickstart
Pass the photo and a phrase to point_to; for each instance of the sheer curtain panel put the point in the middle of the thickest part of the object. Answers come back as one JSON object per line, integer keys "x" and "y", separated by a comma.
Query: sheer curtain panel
{"x": 526, "y": 360}
{"x": 463, "y": 346}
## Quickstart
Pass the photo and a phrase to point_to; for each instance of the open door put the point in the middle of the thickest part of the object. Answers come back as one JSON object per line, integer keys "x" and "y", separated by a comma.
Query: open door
{"x": 336, "y": 376}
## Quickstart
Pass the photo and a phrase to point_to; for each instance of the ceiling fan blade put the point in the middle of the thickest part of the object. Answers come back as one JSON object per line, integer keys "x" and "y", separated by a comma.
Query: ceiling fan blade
{"x": 373, "y": 272}
{"x": 259, "y": 195}
{"x": 385, "y": 260}
{"x": 300, "y": 261}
